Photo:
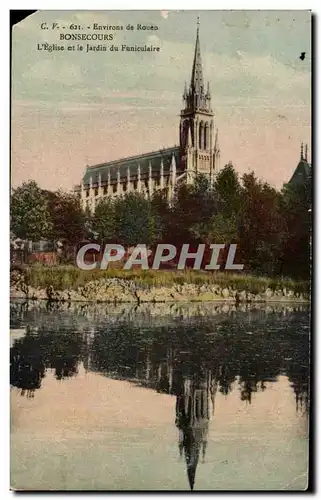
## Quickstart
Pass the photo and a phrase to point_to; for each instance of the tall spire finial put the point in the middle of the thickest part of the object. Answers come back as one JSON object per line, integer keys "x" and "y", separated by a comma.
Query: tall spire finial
{"x": 301, "y": 157}
{"x": 185, "y": 91}
{"x": 306, "y": 152}
{"x": 197, "y": 83}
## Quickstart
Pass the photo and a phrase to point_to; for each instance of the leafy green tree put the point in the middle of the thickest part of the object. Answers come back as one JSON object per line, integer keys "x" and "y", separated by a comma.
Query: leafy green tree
{"x": 161, "y": 214}
{"x": 296, "y": 210}
{"x": 222, "y": 229}
{"x": 262, "y": 226}
{"x": 134, "y": 221}
{"x": 103, "y": 220}
{"x": 228, "y": 191}
{"x": 30, "y": 216}
{"x": 193, "y": 209}
{"x": 67, "y": 217}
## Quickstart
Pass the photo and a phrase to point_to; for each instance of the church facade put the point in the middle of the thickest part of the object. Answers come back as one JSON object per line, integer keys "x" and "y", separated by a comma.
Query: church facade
{"x": 198, "y": 152}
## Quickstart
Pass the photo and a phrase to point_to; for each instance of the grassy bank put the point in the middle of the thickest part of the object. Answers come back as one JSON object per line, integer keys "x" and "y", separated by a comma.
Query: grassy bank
{"x": 66, "y": 277}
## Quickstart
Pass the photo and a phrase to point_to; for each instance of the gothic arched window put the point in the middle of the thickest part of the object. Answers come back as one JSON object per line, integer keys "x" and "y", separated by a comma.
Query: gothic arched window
{"x": 184, "y": 132}
{"x": 206, "y": 136}
{"x": 201, "y": 132}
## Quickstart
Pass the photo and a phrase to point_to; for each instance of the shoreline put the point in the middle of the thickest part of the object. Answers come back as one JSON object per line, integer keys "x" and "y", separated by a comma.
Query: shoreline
{"x": 66, "y": 284}
{"x": 120, "y": 293}
{"x": 160, "y": 314}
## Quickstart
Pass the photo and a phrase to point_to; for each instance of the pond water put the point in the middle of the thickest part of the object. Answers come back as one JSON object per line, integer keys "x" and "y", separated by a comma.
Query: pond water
{"x": 203, "y": 397}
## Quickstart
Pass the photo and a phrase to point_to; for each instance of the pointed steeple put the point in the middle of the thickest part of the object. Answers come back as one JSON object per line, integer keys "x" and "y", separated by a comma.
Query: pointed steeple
{"x": 208, "y": 92}
{"x": 185, "y": 94}
{"x": 197, "y": 82}
{"x": 306, "y": 152}
{"x": 301, "y": 156}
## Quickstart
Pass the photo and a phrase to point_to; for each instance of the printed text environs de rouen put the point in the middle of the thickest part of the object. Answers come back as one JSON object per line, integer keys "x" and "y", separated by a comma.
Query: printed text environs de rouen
{"x": 97, "y": 37}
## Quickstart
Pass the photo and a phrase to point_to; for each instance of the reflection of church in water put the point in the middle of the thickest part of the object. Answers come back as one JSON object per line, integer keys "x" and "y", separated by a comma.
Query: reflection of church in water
{"x": 195, "y": 397}
{"x": 193, "y": 373}
{"x": 194, "y": 407}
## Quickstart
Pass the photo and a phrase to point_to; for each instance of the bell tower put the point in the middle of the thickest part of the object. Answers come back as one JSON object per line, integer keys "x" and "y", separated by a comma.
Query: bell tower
{"x": 197, "y": 147}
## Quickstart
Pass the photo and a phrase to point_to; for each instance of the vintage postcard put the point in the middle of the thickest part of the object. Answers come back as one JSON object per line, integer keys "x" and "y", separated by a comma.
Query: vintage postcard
{"x": 161, "y": 250}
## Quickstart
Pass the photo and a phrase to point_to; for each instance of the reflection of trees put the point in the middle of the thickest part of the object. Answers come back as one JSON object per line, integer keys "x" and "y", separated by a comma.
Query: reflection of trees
{"x": 153, "y": 356}
{"x": 61, "y": 350}
{"x": 298, "y": 370}
{"x": 31, "y": 355}
{"x": 26, "y": 365}
{"x": 190, "y": 361}
{"x": 159, "y": 357}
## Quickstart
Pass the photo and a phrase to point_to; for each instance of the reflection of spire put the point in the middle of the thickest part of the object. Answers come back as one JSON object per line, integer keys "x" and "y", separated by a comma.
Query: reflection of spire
{"x": 165, "y": 374}
{"x": 192, "y": 419}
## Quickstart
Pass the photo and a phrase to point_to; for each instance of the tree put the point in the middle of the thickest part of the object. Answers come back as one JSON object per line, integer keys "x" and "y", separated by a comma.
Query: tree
{"x": 296, "y": 210}
{"x": 161, "y": 214}
{"x": 262, "y": 227}
{"x": 228, "y": 190}
{"x": 134, "y": 221}
{"x": 103, "y": 220}
{"x": 67, "y": 217}
{"x": 30, "y": 217}
{"x": 193, "y": 209}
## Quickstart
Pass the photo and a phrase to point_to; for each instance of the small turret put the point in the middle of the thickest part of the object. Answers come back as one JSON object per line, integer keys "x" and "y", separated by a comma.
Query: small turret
{"x": 216, "y": 143}
{"x": 162, "y": 174}
{"x": 150, "y": 179}
{"x": 139, "y": 185}
{"x": 173, "y": 170}
{"x": 118, "y": 181}
{"x": 108, "y": 181}
{"x": 185, "y": 94}
{"x": 128, "y": 178}
{"x": 189, "y": 138}
{"x": 208, "y": 92}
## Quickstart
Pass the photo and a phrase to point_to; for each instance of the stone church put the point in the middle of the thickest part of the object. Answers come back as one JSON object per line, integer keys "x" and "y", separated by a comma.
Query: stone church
{"x": 198, "y": 152}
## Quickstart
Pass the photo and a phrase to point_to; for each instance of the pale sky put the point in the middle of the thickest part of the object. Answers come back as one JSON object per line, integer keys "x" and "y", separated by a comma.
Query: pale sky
{"x": 72, "y": 108}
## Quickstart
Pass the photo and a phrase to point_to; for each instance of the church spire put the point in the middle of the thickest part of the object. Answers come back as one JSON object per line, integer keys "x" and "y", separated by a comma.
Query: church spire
{"x": 197, "y": 97}
{"x": 301, "y": 157}
{"x": 197, "y": 82}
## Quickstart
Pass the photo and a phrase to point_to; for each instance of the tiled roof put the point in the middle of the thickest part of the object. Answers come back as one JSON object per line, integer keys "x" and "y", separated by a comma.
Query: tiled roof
{"x": 301, "y": 173}
{"x": 154, "y": 158}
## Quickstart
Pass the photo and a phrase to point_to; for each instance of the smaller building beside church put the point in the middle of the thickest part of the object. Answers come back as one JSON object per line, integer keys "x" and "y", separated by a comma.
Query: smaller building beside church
{"x": 302, "y": 172}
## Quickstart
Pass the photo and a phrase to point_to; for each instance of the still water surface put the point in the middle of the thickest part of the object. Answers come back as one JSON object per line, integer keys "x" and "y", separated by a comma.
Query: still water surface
{"x": 159, "y": 398}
